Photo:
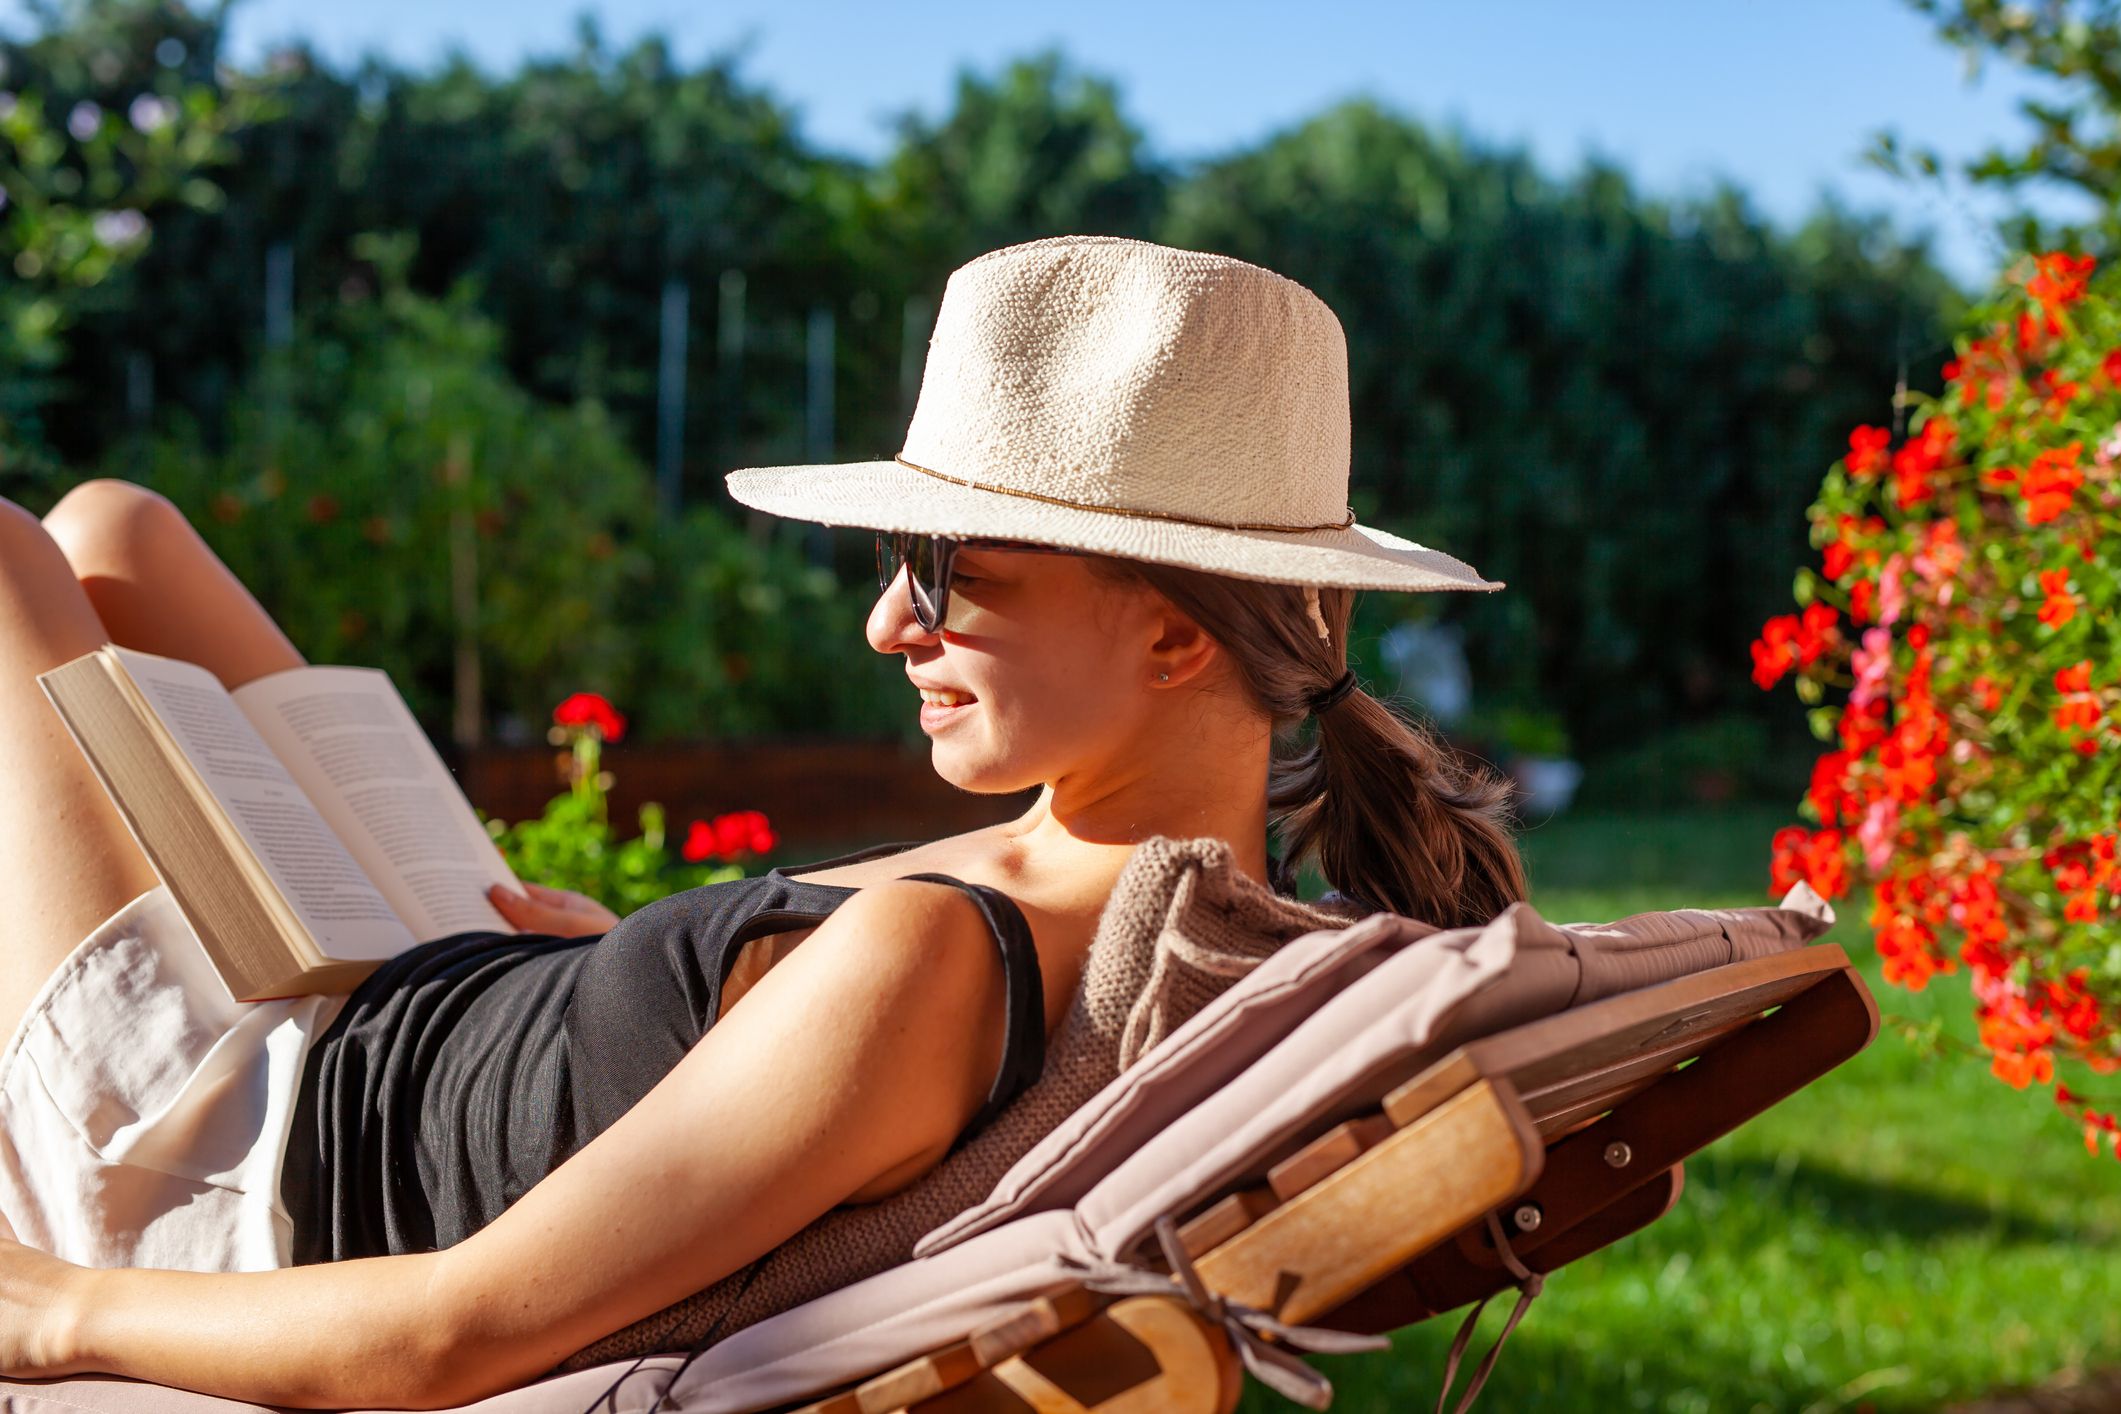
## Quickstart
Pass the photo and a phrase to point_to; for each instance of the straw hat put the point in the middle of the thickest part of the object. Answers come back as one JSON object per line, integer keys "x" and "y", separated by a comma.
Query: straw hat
{"x": 1132, "y": 399}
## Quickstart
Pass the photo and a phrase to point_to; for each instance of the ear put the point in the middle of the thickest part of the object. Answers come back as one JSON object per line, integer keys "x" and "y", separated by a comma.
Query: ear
{"x": 1181, "y": 648}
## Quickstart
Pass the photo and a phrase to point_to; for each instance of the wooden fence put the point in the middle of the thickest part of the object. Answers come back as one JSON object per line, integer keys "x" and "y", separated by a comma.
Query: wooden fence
{"x": 819, "y": 795}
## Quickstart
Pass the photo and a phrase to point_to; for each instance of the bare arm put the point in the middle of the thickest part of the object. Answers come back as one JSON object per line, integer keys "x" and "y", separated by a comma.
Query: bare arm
{"x": 865, "y": 1051}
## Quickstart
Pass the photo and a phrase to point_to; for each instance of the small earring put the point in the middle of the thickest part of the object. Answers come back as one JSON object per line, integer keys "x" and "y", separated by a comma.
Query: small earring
{"x": 1163, "y": 677}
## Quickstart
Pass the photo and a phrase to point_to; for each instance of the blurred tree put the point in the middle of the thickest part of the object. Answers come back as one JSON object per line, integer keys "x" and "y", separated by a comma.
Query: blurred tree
{"x": 398, "y": 501}
{"x": 1039, "y": 150}
{"x": 2077, "y": 140}
{"x": 1616, "y": 406}
{"x": 108, "y": 114}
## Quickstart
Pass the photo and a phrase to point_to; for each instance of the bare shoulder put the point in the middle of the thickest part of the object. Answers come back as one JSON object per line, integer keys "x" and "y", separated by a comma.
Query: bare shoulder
{"x": 913, "y": 922}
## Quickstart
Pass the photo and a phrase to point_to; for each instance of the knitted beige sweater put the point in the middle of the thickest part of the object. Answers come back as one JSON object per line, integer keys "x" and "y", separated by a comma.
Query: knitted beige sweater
{"x": 1182, "y": 924}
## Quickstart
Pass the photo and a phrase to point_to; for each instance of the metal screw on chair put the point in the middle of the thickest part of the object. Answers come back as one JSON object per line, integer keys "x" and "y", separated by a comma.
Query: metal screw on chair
{"x": 1527, "y": 1217}
{"x": 1617, "y": 1154}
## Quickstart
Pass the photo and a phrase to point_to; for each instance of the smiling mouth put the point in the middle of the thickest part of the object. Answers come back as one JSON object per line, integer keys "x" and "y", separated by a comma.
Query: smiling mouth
{"x": 935, "y": 697}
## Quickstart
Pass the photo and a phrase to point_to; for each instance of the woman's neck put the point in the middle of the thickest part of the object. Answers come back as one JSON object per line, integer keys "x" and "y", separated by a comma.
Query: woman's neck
{"x": 1212, "y": 788}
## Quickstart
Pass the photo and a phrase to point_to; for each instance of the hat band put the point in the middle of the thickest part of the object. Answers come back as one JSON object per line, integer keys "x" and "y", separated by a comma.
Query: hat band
{"x": 1123, "y": 511}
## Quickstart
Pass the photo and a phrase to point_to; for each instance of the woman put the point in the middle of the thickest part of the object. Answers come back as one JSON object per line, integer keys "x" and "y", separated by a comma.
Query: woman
{"x": 1119, "y": 564}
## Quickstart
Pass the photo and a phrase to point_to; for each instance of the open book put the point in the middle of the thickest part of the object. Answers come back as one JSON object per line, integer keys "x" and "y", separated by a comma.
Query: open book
{"x": 304, "y": 823}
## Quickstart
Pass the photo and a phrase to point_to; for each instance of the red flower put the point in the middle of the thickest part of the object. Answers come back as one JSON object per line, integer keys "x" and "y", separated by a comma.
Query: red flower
{"x": 1775, "y": 651}
{"x": 1867, "y": 455}
{"x": 2061, "y": 605}
{"x": 1815, "y": 630}
{"x": 2075, "y": 678}
{"x": 727, "y": 836}
{"x": 587, "y": 709}
{"x": 2032, "y": 333}
{"x": 2055, "y": 393}
{"x": 1863, "y": 727}
{"x": 1918, "y": 458}
{"x": 1863, "y": 601}
{"x": 1829, "y": 789}
{"x": 2061, "y": 280}
{"x": 2079, "y": 710}
{"x": 2050, "y": 482}
{"x": 2019, "y": 1069}
{"x": 1817, "y": 859}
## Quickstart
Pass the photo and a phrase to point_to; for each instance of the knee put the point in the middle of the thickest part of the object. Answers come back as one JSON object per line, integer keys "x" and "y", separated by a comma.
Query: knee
{"x": 22, "y": 535}
{"x": 104, "y": 521}
{"x": 27, "y": 554}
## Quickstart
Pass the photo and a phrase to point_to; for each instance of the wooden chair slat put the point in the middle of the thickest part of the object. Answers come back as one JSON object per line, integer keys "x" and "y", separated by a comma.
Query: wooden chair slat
{"x": 1227, "y": 1218}
{"x": 1329, "y": 1151}
{"x": 1042, "y": 1319}
{"x": 1395, "y": 1200}
{"x": 918, "y": 1379}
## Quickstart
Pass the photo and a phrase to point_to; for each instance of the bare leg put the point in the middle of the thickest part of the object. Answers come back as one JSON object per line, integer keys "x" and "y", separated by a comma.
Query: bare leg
{"x": 159, "y": 588}
{"x": 67, "y": 861}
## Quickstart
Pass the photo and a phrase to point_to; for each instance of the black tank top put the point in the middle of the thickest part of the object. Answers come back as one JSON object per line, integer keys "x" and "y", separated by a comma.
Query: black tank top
{"x": 468, "y": 1067}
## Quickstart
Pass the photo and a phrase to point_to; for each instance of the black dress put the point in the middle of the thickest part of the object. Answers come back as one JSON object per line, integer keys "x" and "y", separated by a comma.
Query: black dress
{"x": 468, "y": 1067}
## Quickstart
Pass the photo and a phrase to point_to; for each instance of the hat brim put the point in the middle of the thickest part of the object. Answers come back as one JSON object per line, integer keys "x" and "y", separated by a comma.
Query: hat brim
{"x": 887, "y": 495}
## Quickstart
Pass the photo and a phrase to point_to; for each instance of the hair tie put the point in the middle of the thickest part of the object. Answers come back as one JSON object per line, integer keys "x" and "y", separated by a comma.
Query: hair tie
{"x": 1330, "y": 697}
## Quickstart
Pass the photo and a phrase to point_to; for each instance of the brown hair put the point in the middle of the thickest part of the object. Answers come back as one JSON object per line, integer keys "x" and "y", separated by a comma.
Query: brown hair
{"x": 1396, "y": 819}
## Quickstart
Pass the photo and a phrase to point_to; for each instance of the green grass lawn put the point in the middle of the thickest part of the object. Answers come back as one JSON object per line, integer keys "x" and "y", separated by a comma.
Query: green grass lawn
{"x": 1903, "y": 1233}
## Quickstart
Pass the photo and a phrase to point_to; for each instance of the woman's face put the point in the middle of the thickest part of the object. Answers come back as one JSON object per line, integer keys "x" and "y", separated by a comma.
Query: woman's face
{"x": 1055, "y": 660}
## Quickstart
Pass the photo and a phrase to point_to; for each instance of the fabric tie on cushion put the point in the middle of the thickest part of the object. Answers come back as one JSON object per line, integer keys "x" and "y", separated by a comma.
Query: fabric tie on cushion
{"x": 1529, "y": 1285}
{"x": 1247, "y": 1326}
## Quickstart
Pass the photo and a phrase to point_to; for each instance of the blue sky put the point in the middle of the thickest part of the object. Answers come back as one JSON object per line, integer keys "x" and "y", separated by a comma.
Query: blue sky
{"x": 1778, "y": 98}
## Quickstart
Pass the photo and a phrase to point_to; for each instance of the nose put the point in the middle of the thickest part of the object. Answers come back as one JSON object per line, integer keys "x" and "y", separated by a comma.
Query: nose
{"x": 892, "y": 627}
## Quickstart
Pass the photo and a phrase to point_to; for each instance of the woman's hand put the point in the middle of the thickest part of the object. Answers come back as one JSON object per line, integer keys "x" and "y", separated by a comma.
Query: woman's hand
{"x": 39, "y": 1306}
{"x": 562, "y": 912}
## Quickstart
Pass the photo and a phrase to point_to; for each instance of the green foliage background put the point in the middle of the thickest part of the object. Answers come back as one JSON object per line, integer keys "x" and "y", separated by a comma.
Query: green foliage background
{"x": 1615, "y": 403}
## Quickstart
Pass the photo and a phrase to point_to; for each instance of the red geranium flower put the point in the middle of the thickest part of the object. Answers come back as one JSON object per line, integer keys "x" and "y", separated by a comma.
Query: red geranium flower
{"x": 2061, "y": 605}
{"x": 2050, "y": 482}
{"x": 727, "y": 836}
{"x": 1775, "y": 651}
{"x": 1918, "y": 458}
{"x": 1867, "y": 454}
{"x": 587, "y": 709}
{"x": 2061, "y": 280}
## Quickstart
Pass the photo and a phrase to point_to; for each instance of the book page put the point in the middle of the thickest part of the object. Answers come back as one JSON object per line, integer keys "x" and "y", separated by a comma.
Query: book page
{"x": 335, "y": 900}
{"x": 349, "y": 739}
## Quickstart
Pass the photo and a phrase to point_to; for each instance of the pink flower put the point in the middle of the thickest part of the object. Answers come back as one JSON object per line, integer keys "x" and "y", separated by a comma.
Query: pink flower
{"x": 1875, "y": 834}
{"x": 1892, "y": 594}
{"x": 2110, "y": 448}
{"x": 1873, "y": 661}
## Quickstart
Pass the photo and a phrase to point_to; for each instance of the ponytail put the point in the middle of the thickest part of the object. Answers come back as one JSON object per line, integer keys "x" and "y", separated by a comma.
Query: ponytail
{"x": 1395, "y": 819}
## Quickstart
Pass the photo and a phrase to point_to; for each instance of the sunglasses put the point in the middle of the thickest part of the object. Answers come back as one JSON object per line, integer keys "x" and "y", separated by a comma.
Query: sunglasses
{"x": 929, "y": 560}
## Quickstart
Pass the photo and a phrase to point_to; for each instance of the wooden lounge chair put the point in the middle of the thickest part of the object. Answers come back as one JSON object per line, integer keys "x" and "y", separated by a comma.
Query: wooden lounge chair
{"x": 1565, "y": 1134}
{"x": 1382, "y": 1123}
